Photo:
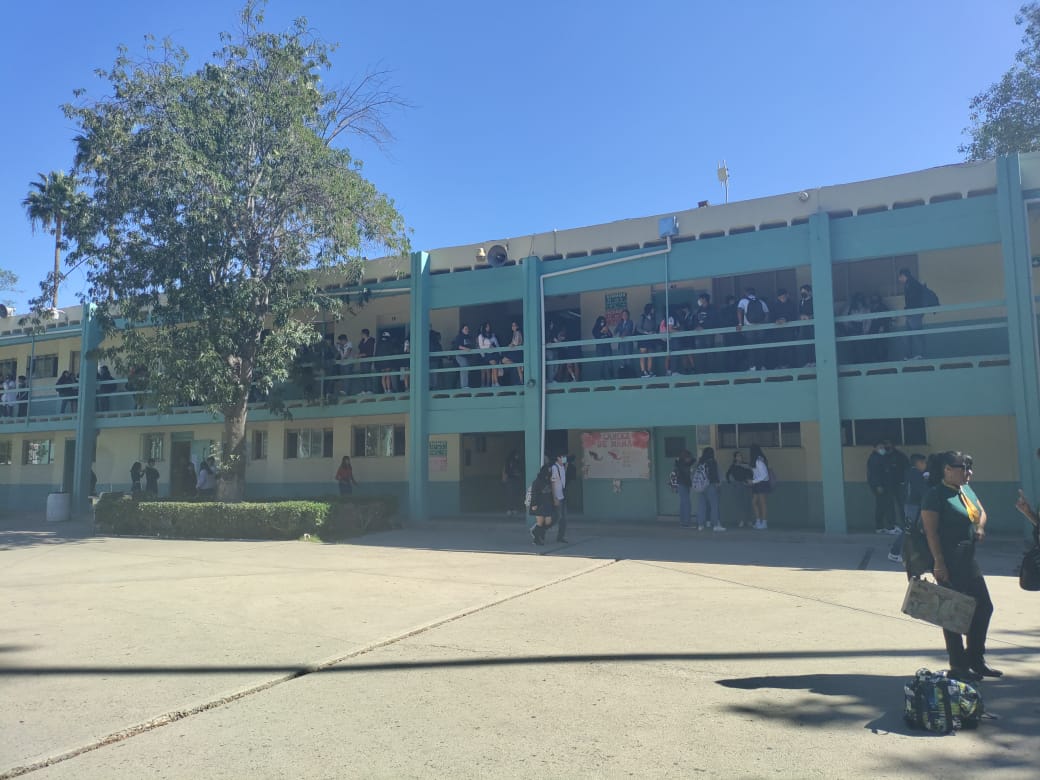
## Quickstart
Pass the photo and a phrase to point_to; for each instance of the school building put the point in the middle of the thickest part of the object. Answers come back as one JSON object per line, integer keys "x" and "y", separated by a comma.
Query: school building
{"x": 423, "y": 427}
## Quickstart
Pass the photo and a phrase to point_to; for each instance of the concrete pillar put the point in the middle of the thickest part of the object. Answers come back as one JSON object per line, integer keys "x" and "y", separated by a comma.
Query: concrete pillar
{"x": 86, "y": 418}
{"x": 1021, "y": 316}
{"x": 534, "y": 374}
{"x": 419, "y": 366}
{"x": 832, "y": 466}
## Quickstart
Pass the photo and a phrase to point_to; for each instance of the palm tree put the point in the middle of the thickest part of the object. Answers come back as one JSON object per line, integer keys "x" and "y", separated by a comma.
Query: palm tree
{"x": 51, "y": 203}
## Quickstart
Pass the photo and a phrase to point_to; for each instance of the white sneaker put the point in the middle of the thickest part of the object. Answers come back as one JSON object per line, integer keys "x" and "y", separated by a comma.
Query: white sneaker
{"x": 719, "y": 528}
{"x": 758, "y": 526}
{"x": 762, "y": 525}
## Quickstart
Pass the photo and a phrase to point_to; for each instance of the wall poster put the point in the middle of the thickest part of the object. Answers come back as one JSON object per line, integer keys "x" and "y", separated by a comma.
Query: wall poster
{"x": 616, "y": 455}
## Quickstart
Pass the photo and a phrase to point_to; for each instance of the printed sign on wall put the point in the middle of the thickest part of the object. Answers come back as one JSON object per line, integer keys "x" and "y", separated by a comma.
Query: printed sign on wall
{"x": 616, "y": 455}
{"x": 614, "y": 303}
{"x": 438, "y": 455}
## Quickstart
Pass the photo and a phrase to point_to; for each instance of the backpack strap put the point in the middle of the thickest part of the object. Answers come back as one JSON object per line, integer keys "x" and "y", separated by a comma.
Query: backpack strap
{"x": 947, "y": 705}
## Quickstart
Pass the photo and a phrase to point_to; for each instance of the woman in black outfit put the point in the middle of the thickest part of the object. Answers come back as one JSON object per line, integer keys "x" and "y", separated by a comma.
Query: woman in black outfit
{"x": 954, "y": 522}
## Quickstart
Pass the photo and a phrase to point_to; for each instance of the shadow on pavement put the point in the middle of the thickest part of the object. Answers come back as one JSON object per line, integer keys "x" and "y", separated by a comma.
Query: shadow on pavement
{"x": 799, "y": 550}
{"x": 32, "y": 532}
{"x": 1013, "y": 703}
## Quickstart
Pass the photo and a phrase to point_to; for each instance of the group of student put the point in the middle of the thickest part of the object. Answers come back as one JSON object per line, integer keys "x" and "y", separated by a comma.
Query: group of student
{"x": 701, "y": 476}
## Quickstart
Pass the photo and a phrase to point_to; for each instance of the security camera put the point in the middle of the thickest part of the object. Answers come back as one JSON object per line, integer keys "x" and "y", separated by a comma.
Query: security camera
{"x": 803, "y": 196}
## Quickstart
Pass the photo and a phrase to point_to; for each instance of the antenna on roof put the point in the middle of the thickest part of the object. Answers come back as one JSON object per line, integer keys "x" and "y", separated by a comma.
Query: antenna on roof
{"x": 723, "y": 173}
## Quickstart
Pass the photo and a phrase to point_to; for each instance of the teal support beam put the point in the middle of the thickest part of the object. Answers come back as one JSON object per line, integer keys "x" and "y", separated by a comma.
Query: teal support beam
{"x": 534, "y": 376}
{"x": 832, "y": 466}
{"x": 419, "y": 394}
{"x": 1021, "y": 316}
{"x": 86, "y": 418}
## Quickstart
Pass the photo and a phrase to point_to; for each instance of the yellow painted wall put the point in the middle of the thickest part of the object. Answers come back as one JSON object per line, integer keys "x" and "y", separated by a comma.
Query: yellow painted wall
{"x": 962, "y": 275}
{"x": 45, "y": 474}
{"x": 453, "y": 472}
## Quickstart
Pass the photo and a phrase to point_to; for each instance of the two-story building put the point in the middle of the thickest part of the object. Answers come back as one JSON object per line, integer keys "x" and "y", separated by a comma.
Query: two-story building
{"x": 436, "y": 424}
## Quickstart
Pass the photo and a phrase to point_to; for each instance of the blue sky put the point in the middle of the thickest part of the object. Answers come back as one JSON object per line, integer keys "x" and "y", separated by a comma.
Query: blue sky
{"x": 540, "y": 115}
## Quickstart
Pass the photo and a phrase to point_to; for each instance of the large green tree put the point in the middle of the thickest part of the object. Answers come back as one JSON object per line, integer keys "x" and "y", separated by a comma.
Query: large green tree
{"x": 52, "y": 203}
{"x": 222, "y": 203}
{"x": 1005, "y": 118}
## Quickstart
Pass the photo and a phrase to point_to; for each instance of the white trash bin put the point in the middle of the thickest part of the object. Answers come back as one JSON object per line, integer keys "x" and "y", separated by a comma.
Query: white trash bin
{"x": 59, "y": 507}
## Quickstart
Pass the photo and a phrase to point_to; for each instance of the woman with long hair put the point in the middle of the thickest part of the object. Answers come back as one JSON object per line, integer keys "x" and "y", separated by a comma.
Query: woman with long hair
{"x": 541, "y": 503}
{"x": 760, "y": 487}
{"x": 486, "y": 339}
{"x": 516, "y": 350}
{"x": 739, "y": 475}
{"x": 345, "y": 477}
{"x": 954, "y": 522}
{"x": 708, "y": 515}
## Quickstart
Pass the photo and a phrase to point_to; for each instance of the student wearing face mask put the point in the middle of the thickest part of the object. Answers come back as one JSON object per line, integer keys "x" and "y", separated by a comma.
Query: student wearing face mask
{"x": 805, "y": 314}
{"x": 559, "y": 493}
{"x": 878, "y": 480}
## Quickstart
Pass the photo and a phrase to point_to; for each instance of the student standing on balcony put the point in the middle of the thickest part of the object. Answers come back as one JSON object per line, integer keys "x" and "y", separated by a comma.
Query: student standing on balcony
{"x": 648, "y": 326}
{"x": 913, "y": 298}
{"x": 486, "y": 339}
{"x": 516, "y": 351}
{"x": 806, "y": 314}
{"x": 601, "y": 331}
{"x": 752, "y": 312}
{"x": 366, "y": 350}
{"x": 785, "y": 312}
{"x": 463, "y": 341}
{"x": 704, "y": 319}
{"x": 625, "y": 329}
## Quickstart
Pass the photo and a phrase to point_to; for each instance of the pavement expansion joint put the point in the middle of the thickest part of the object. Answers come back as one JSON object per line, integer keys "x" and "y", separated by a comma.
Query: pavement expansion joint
{"x": 176, "y": 715}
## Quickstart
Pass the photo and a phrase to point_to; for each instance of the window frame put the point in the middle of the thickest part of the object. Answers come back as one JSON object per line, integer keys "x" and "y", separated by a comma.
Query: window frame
{"x": 8, "y": 459}
{"x": 768, "y": 435}
{"x": 379, "y": 440}
{"x": 263, "y": 437}
{"x": 43, "y": 360}
{"x": 857, "y": 433}
{"x": 319, "y": 443}
{"x": 148, "y": 452}
{"x": 27, "y": 444}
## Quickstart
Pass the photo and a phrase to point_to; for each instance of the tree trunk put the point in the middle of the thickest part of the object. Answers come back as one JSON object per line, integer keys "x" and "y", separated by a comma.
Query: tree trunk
{"x": 232, "y": 485}
{"x": 57, "y": 259}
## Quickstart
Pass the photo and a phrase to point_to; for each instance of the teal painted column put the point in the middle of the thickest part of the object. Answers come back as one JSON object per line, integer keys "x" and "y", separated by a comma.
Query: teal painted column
{"x": 419, "y": 365}
{"x": 1021, "y": 316}
{"x": 832, "y": 466}
{"x": 86, "y": 418}
{"x": 534, "y": 446}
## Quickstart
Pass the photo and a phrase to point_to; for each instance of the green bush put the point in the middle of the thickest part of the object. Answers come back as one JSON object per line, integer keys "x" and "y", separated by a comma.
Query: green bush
{"x": 328, "y": 519}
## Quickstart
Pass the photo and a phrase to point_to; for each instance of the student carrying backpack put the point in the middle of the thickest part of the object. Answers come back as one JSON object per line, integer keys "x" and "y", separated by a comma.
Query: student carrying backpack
{"x": 700, "y": 480}
{"x": 756, "y": 311}
{"x": 540, "y": 504}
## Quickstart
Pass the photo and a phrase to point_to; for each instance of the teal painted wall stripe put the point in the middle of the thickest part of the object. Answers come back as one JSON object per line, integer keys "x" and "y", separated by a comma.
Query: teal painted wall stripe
{"x": 832, "y": 468}
{"x": 86, "y": 421}
{"x": 968, "y": 222}
{"x": 531, "y": 414}
{"x": 1022, "y": 334}
{"x": 418, "y": 420}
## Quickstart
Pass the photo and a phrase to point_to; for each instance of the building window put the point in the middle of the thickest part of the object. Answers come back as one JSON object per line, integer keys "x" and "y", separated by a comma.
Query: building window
{"x": 674, "y": 445}
{"x": 6, "y": 452}
{"x": 378, "y": 441}
{"x": 909, "y": 431}
{"x": 74, "y": 362}
{"x": 259, "y": 448}
{"x": 308, "y": 443}
{"x": 37, "y": 452}
{"x": 876, "y": 275}
{"x": 8, "y": 368}
{"x": 152, "y": 446}
{"x": 743, "y": 435}
{"x": 44, "y": 366}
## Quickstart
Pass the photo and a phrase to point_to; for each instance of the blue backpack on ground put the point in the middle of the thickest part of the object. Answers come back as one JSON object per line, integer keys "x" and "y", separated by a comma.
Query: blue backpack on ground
{"x": 934, "y": 701}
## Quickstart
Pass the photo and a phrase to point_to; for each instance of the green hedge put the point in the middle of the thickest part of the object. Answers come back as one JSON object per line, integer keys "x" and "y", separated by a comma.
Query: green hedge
{"x": 327, "y": 519}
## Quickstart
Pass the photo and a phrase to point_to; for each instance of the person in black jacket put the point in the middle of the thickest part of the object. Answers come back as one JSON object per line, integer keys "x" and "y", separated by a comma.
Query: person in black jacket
{"x": 880, "y": 485}
{"x": 913, "y": 298}
{"x": 915, "y": 483}
{"x": 708, "y": 499}
{"x": 806, "y": 313}
{"x": 683, "y": 474}
{"x": 739, "y": 475}
{"x": 784, "y": 311}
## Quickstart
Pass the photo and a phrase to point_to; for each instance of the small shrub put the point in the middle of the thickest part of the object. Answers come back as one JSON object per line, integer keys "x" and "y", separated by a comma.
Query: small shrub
{"x": 329, "y": 519}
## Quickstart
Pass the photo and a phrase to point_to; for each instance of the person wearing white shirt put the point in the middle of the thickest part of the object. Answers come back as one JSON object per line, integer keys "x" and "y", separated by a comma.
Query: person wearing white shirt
{"x": 559, "y": 492}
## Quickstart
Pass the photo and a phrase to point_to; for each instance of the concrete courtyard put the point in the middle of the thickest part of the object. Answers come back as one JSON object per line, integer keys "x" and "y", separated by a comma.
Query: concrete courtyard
{"x": 461, "y": 650}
